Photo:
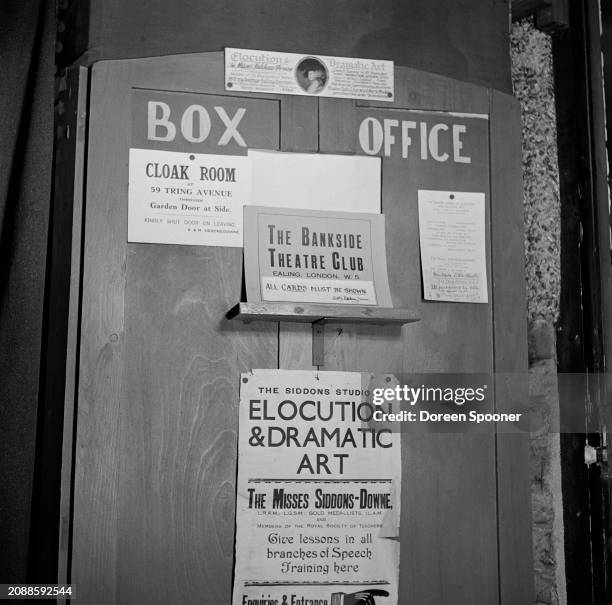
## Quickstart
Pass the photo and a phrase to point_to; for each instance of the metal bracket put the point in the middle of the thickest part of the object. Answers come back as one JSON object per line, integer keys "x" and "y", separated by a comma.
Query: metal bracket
{"x": 318, "y": 343}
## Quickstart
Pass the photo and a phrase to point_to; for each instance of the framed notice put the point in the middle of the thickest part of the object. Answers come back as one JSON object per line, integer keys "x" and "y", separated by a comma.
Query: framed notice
{"x": 295, "y": 74}
{"x": 319, "y": 492}
{"x": 311, "y": 256}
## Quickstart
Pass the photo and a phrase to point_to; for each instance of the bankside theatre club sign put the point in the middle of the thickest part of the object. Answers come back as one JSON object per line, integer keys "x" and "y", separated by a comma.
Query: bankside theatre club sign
{"x": 318, "y": 257}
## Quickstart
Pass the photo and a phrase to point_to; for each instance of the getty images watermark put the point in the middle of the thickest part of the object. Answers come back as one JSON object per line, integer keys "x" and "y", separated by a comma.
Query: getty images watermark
{"x": 421, "y": 395}
{"x": 500, "y": 402}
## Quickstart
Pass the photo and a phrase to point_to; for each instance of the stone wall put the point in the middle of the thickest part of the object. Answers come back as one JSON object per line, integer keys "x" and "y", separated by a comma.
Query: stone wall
{"x": 532, "y": 76}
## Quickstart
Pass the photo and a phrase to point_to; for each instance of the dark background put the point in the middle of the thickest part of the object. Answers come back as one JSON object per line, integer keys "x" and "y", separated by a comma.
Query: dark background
{"x": 27, "y": 43}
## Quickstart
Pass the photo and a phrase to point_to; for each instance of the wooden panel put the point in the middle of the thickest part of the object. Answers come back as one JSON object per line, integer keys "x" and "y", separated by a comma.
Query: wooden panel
{"x": 69, "y": 179}
{"x": 176, "y": 495}
{"x": 160, "y": 366}
{"x": 510, "y": 337}
{"x": 420, "y": 90}
{"x": 449, "y": 517}
{"x": 424, "y": 347}
{"x": 467, "y": 41}
{"x": 102, "y": 353}
{"x": 310, "y": 313}
{"x": 602, "y": 217}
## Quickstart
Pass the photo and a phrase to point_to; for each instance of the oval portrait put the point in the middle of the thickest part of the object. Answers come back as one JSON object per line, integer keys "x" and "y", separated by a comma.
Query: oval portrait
{"x": 311, "y": 75}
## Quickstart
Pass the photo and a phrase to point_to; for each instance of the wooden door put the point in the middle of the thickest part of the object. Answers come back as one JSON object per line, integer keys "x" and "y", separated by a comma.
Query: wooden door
{"x": 155, "y": 457}
{"x": 159, "y": 365}
{"x": 440, "y": 134}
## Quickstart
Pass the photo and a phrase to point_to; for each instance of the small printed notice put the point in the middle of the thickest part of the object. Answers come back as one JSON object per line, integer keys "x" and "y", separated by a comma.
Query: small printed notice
{"x": 319, "y": 492}
{"x": 453, "y": 248}
{"x": 295, "y": 74}
{"x": 316, "y": 181}
{"x": 187, "y": 198}
{"x": 317, "y": 257}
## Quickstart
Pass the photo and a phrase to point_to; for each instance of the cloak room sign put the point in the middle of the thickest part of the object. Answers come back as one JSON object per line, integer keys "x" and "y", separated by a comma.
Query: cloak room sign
{"x": 317, "y": 257}
{"x": 318, "y": 495}
{"x": 189, "y": 174}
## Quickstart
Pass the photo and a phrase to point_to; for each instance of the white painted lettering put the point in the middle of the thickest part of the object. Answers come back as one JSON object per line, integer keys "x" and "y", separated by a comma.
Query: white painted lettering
{"x": 458, "y": 130}
{"x": 154, "y": 122}
{"x": 231, "y": 126}
{"x": 188, "y": 124}
{"x": 434, "y": 143}
{"x": 406, "y": 139}
{"x": 371, "y": 144}
{"x": 389, "y": 138}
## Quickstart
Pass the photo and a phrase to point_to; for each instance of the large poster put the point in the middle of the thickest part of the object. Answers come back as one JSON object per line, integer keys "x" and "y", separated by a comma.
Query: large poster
{"x": 318, "y": 496}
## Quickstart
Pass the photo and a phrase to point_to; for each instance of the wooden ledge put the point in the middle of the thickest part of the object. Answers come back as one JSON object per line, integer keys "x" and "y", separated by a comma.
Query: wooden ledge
{"x": 312, "y": 313}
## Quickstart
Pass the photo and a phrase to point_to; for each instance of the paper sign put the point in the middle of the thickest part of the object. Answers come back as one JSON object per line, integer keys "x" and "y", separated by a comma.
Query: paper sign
{"x": 295, "y": 74}
{"x": 453, "y": 250}
{"x": 187, "y": 198}
{"x": 317, "y": 486}
{"x": 317, "y": 257}
{"x": 345, "y": 183}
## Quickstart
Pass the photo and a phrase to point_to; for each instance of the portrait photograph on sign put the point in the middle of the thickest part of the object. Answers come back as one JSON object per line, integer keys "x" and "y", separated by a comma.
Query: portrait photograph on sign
{"x": 313, "y": 256}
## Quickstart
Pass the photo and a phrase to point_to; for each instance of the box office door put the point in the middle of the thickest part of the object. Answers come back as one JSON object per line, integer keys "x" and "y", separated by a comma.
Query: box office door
{"x": 158, "y": 378}
{"x": 449, "y": 502}
{"x": 158, "y": 372}
{"x": 465, "y": 529}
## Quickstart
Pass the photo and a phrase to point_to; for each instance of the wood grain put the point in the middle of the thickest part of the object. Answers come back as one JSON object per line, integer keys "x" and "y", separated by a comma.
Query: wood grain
{"x": 177, "y": 478}
{"x": 160, "y": 365}
{"x": 102, "y": 345}
{"x": 177, "y": 496}
{"x": 76, "y": 83}
{"x": 469, "y": 41}
{"x": 309, "y": 313}
{"x": 449, "y": 518}
{"x": 295, "y": 340}
{"x": 510, "y": 338}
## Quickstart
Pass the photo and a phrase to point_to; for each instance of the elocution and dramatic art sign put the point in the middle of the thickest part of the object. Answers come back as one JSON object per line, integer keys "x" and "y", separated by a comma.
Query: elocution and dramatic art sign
{"x": 295, "y": 74}
{"x": 318, "y": 497}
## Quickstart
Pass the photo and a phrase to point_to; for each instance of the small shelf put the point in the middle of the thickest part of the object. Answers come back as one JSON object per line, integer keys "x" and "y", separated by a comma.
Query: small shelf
{"x": 313, "y": 313}
{"x": 318, "y": 316}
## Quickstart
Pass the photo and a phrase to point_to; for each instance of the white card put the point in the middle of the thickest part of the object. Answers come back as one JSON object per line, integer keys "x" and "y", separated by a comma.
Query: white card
{"x": 186, "y": 198}
{"x": 315, "y": 181}
{"x": 453, "y": 246}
